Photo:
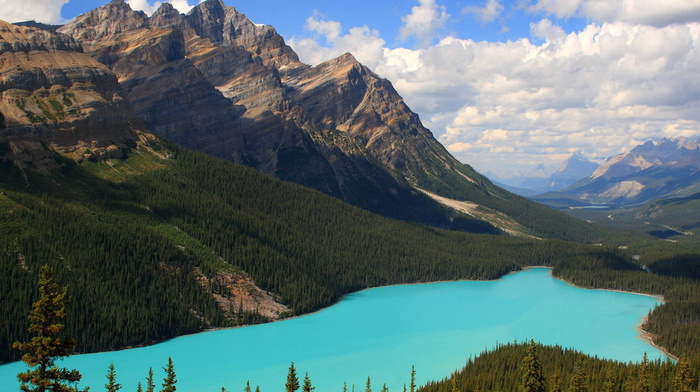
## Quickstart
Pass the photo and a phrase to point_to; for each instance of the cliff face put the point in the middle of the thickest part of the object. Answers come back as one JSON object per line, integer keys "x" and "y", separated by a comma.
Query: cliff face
{"x": 214, "y": 81}
{"x": 57, "y": 99}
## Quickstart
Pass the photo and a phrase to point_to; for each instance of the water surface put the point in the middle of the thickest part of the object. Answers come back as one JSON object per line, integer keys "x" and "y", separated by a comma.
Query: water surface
{"x": 381, "y": 332}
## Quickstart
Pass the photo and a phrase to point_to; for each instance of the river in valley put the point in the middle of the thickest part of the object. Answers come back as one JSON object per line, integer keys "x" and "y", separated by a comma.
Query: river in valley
{"x": 381, "y": 333}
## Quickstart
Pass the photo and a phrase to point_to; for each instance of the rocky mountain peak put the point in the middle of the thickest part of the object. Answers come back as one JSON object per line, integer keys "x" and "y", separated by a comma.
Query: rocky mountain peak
{"x": 111, "y": 19}
{"x": 55, "y": 99}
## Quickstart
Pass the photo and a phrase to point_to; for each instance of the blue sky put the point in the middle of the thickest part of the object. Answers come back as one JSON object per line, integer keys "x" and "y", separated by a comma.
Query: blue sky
{"x": 504, "y": 85}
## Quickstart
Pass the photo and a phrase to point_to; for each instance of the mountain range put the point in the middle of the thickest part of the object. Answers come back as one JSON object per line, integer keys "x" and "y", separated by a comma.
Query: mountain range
{"x": 538, "y": 181}
{"x": 213, "y": 81}
{"x": 654, "y": 170}
{"x": 156, "y": 240}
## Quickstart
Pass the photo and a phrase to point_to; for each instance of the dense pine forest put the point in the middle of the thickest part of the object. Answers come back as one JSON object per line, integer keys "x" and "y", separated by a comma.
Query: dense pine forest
{"x": 135, "y": 240}
{"x": 533, "y": 367}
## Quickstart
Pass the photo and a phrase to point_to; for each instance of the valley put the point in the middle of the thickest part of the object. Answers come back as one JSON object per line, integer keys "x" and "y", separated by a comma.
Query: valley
{"x": 191, "y": 173}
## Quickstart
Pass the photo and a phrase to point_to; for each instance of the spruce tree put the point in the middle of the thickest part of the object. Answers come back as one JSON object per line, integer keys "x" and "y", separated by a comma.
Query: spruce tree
{"x": 306, "y": 387}
{"x": 532, "y": 378}
{"x": 455, "y": 386}
{"x": 112, "y": 385}
{"x": 556, "y": 382}
{"x": 413, "y": 379}
{"x": 170, "y": 379}
{"x": 385, "y": 388}
{"x": 47, "y": 345}
{"x": 643, "y": 383}
{"x": 247, "y": 387}
{"x": 578, "y": 380}
{"x": 368, "y": 386}
{"x": 150, "y": 386}
{"x": 292, "y": 384}
{"x": 683, "y": 382}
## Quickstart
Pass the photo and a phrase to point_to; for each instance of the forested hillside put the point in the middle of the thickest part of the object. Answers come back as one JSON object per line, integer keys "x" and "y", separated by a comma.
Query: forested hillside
{"x": 506, "y": 368}
{"x": 143, "y": 242}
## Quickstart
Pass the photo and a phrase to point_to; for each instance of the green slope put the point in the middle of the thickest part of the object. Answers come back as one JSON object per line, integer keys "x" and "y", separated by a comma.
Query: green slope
{"x": 140, "y": 242}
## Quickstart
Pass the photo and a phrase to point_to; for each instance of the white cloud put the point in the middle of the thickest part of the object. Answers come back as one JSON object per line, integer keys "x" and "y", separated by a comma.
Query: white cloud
{"x": 44, "y": 11}
{"x": 364, "y": 43}
{"x": 424, "y": 22}
{"x": 602, "y": 90}
{"x": 646, "y": 12}
{"x": 509, "y": 106}
{"x": 488, "y": 13}
{"x": 149, "y": 8}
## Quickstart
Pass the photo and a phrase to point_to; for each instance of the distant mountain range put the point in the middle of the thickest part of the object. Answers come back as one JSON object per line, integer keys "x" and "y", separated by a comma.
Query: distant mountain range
{"x": 653, "y": 170}
{"x": 539, "y": 180}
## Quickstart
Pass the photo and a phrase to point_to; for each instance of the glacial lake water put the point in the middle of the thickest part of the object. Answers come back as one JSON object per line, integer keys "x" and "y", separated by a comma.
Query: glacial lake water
{"x": 381, "y": 333}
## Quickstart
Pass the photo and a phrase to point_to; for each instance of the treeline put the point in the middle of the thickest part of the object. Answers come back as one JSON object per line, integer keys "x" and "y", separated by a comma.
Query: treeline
{"x": 530, "y": 368}
{"x": 133, "y": 246}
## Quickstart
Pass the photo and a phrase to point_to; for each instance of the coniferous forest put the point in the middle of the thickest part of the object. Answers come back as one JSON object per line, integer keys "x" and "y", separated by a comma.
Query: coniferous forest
{"x": 135, "y": 239}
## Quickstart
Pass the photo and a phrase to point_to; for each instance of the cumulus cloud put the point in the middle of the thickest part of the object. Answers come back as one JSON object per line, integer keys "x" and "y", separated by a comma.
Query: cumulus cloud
{"x": 424, "y": 22}
{"x": 364, "y": 43}
{"x": 44, "y": 11}
{"x": 646, "y": 12}
{"x": 149, "y": 8}
{"x": 488, "y": 13}
{"x": 602, "y": 90}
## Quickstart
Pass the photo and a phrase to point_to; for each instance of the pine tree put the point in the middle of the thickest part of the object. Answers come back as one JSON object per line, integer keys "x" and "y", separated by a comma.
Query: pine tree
{"x": 413, "y": 379}
{"x": 257, "y": 388}
{"x": 247, "y": 387}
{"x": 170, "y": 379}
{"x": 455, "y": 386}
{"x": 578, "y": 380}
{"x": 306, "y": 387}
{"x": 683, "y": 382}
{"x": 643, "y": 383}
{"x": 385, "y": 388}
{"x": 112, "y": 385}
{"x": 368, "y": 386}
{"x": 292, "y": 384}
{"x": 150, "y": 386}
{"x": 345, "y": 386}
{"x": 532, "y": 378}
{"x": 139, "y": 388}
{"x": 47, "y": 346}
{"x": 556, "y": 382}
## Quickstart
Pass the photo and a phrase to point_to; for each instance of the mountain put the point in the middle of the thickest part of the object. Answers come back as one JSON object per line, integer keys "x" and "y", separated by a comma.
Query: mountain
{"x": 46, "y": 108}
{"x": 540, "y": 180}
{"x": 653, "y": 170}
{"x": 156, "y": 241}
{"x": 213, "y": 81}
{"x": 575, "y": 168}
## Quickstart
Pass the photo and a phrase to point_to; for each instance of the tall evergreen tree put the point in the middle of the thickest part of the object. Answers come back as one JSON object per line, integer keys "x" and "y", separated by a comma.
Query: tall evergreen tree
{"x": 683, "y": 382}
{"x": 385, "y": 388}
{"x": 532, "y": 378}
{"x": 455, "y": 386}
{"x": 247, "y": 387}
{"x": 556, "y": 384}
{"x": 578, "y": 380}
{"x": 368, "y": 386}
{"x": 170, "y": 379}
{"x": 292, "y": 384}
{"x": 413, "y": 379}
{"x": 643, "y": 382}
{"x": 47, "y": 345}
{"x": 306, "y": 387}
{"x": 150, "y": 385}
{"x": 112, "y": 385}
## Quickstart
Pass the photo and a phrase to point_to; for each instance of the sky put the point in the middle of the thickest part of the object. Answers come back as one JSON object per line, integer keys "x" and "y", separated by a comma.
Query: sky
{"x": 504, "y": 85}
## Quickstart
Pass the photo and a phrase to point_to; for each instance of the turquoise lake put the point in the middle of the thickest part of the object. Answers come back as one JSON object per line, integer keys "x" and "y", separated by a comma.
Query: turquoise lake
{"x": 381, "y": 332}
